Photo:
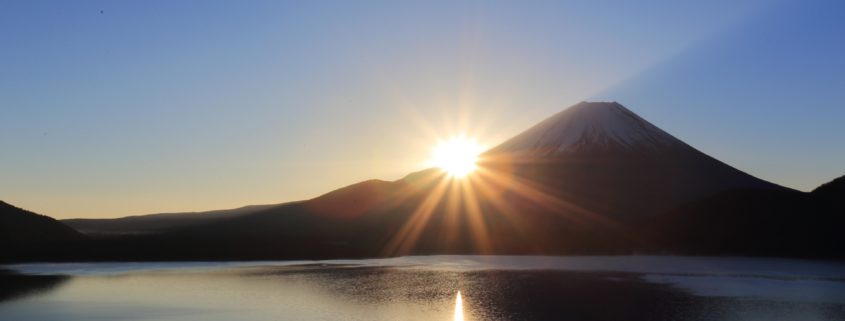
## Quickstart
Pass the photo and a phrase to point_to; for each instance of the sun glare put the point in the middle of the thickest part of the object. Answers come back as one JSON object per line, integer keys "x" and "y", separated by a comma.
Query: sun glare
{"x": 457, "y": 156}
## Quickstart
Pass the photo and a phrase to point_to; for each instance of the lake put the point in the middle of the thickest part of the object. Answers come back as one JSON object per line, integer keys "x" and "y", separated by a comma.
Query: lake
{"x": 425, "y": 288}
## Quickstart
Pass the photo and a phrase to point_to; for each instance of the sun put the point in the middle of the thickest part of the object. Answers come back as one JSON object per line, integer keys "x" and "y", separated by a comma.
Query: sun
{"x": 457, "y": 156}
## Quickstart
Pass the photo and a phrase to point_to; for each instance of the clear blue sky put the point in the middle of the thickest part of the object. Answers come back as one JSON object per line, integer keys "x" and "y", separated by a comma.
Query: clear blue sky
{"x": 156, "y": 106}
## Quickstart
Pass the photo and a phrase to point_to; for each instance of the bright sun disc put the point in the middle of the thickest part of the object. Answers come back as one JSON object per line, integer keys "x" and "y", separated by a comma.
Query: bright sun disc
{"x": 457, "y": 156}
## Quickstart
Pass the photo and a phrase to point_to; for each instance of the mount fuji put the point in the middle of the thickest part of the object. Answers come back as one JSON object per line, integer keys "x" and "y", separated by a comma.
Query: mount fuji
{"x": 606, "y": 158}
{"x": 594, "y": 178}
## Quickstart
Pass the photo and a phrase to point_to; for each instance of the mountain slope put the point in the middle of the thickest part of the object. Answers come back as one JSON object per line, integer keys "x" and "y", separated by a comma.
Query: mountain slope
{"x": 756, "y": 222}
{"x": 832, "y": 196}
{"x": 22, "y": 227}
{"x": 156, "y": 223}
{"x": 603, "y": 157}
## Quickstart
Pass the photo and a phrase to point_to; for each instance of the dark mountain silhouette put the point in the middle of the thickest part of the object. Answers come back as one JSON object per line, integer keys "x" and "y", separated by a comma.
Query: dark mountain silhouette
{"x": 349, "y": 222}
{"x": 784, "y": 223}
{"x": 27, "y": 236}
{"x": 156, "y": 223}
{"x": 832, "y": 196}
{"x": 22, "y": 227}
{"x": 593, "y": 179}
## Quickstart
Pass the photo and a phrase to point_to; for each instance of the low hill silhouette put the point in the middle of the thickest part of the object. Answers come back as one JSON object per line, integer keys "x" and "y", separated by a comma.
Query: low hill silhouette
{"x": 156, "y": 223}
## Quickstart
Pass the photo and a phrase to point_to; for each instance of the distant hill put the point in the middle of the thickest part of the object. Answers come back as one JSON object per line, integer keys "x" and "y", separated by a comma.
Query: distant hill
{"x": 19, "y": 227}
{"x": 156, "y": 223}
{"x": 743, "y": 222}
{"x": 751, "y": 222}
{"x": 834, "y": 188}
{"x": 832, "y": 195}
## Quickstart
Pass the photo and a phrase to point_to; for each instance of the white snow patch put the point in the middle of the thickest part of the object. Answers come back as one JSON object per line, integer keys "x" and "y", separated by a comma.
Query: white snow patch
{"x": 590, "y": 125}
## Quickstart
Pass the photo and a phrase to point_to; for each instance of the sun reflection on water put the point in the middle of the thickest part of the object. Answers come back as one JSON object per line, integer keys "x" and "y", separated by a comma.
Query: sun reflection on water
{"x": 459, "y": 308}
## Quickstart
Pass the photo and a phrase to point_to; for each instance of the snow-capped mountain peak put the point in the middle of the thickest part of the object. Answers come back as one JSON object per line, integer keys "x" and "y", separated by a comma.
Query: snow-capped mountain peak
{"x": 590, "y": 127}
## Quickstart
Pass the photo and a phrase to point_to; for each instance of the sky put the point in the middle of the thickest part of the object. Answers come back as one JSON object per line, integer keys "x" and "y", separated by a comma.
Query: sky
{"x": 116, "y": 108}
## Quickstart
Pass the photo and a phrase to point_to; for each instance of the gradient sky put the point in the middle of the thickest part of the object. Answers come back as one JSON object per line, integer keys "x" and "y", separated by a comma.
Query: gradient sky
{"x": 165, "y": 106}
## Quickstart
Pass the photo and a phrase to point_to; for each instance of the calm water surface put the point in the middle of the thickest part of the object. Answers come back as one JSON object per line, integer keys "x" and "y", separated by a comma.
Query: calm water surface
{"x": 425, "y": 288}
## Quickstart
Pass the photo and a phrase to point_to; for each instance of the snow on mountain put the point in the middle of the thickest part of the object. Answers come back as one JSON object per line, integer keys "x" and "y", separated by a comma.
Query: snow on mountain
{"x": 603, "y": 157}
{"x": 590, "y": 127}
